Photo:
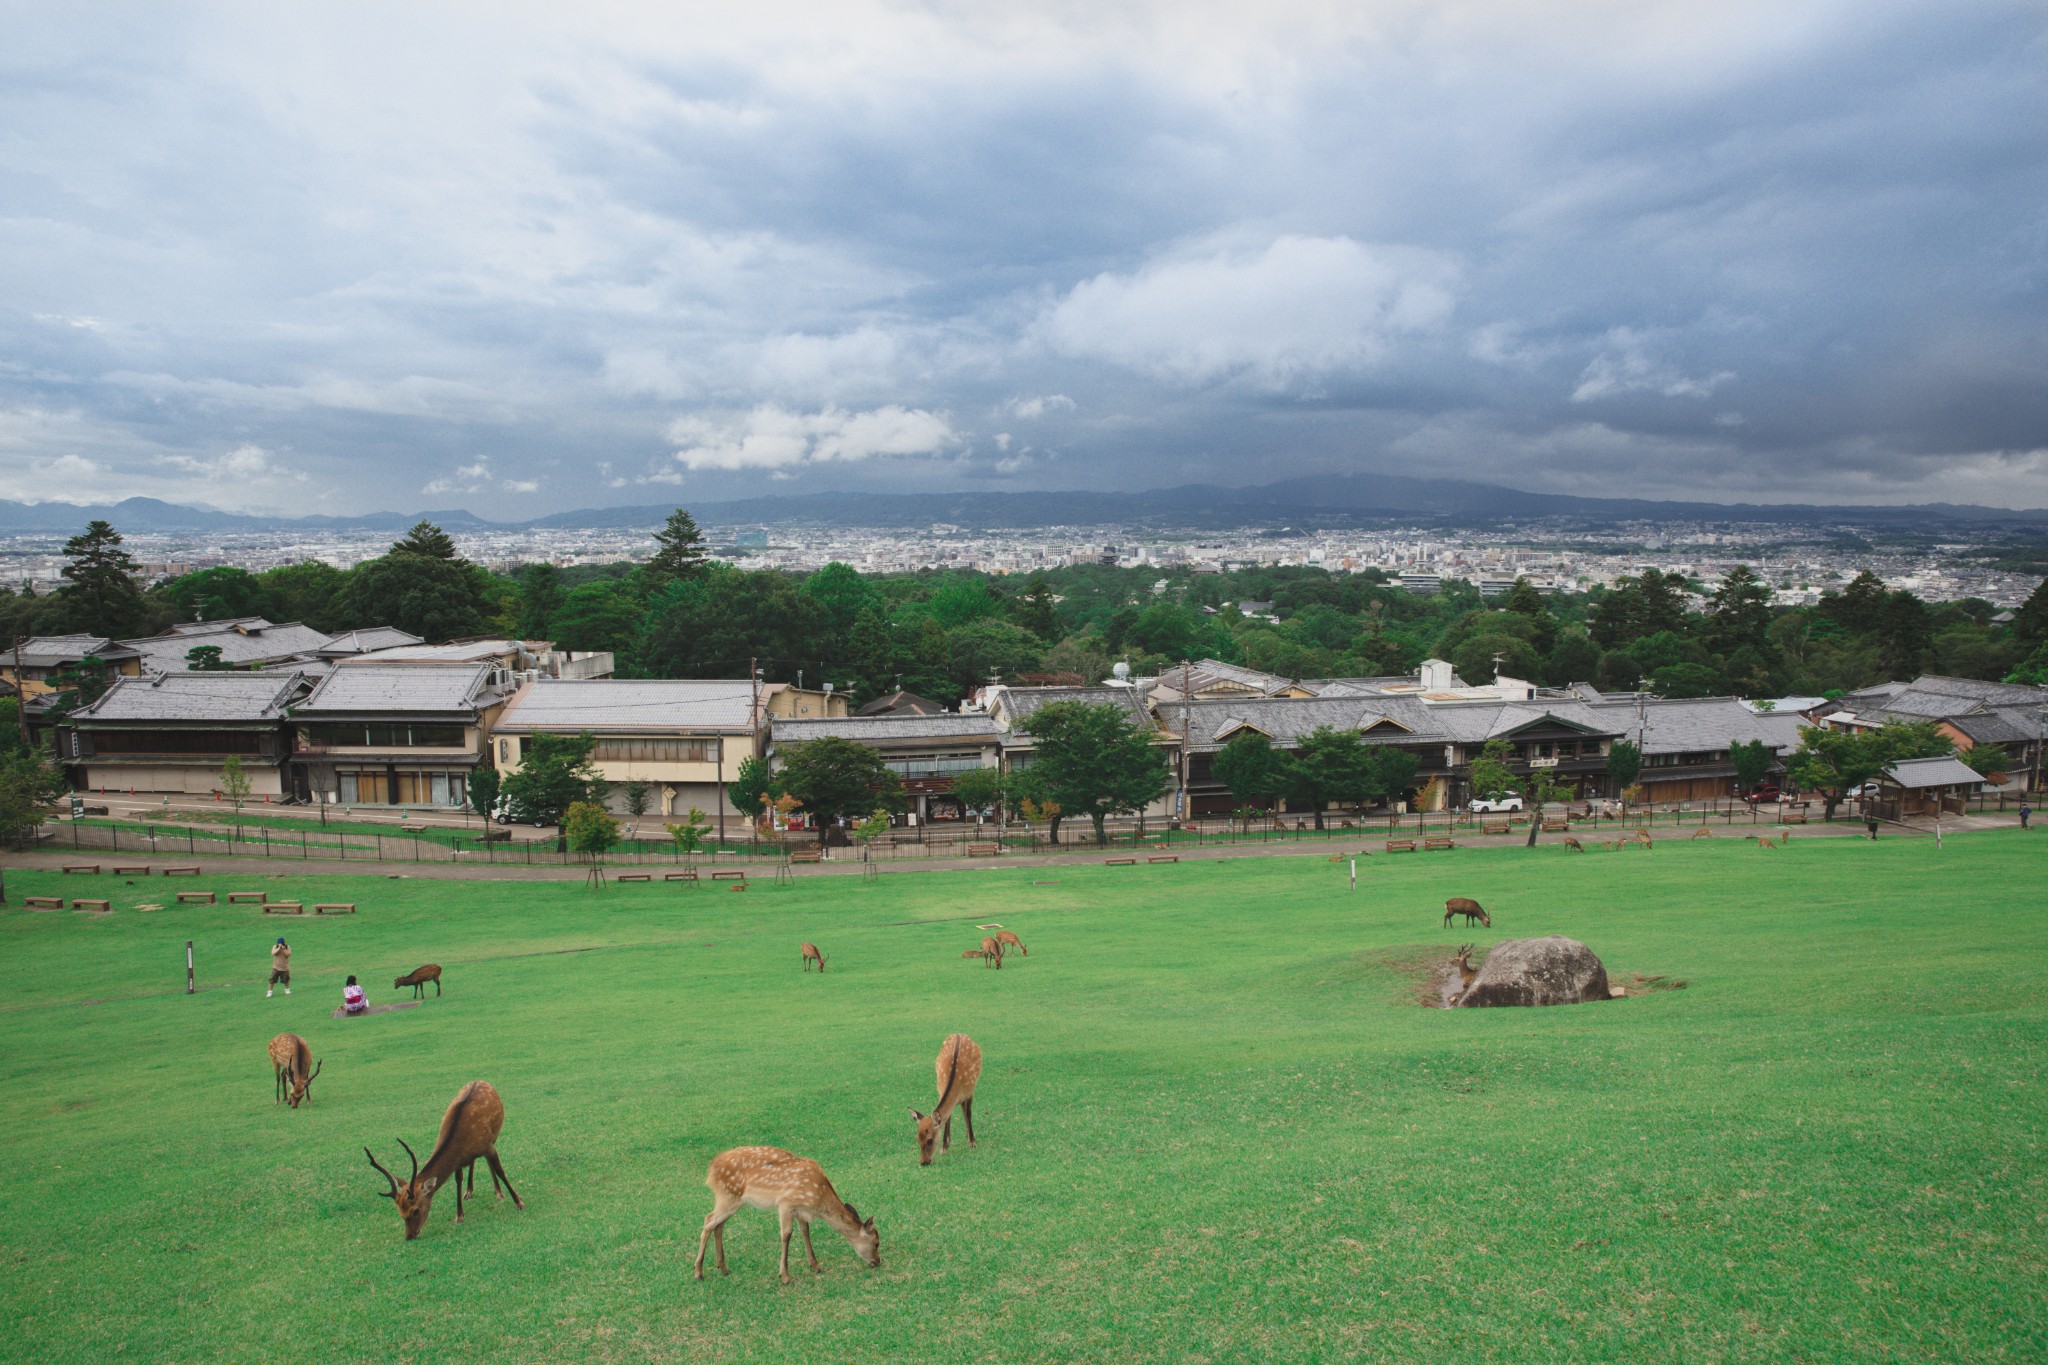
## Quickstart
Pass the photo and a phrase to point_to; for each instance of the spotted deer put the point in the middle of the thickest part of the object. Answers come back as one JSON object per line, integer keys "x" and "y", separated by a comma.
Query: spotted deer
{"x": 796, "y": 1188}
{"x": 418, "y": 978}
{"x": 993, "y": 952}
{"x": 1008, "y": 940}
{"x": 811, "y": 954}
{"x": 1459, "y": 905}
{"x": 292, "y": 1061}
{"x": 958, "y": 1068}
{"x": 469, "y": 1132}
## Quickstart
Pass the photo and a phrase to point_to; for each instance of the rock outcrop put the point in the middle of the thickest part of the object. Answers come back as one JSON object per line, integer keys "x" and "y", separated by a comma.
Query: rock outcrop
{"x": 1538, "y": 971}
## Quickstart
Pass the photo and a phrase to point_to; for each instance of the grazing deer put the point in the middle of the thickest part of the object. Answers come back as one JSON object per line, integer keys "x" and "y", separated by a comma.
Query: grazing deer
{"x": 770, "y": 1178}
{"x": 1702, "y": 833}
{"x": 1573, "y": 844}
{"x": 1467, "y": 973}
{"x": 469, "y": 1130}
{"x": 1642, "y": 836}
{"x": 292, "y": 1060}
{"x": 811, "y": 954}
{"x": 958, "y": 1067}
{"x": 418, "y": 978}
{"x": 1459, "y": 905}
{"x": 1765, "y": 842}
{"x": 993, "y": 952}
{"x": 1009, "y": 940}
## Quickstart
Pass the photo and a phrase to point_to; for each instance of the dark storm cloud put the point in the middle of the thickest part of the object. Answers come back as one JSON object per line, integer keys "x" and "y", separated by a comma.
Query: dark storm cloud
{"x": 330, "y": 262}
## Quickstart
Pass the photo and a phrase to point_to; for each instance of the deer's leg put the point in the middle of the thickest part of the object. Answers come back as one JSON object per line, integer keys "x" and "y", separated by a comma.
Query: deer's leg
{"x": 498, "y": 1173}
{"x": 714, "y": 1224}
{"x": 946, "y": 1135}
{"x": 437, "y": 988}
{"x": 458, "y": 1194}
{"x": 809, "y": 1250}
{"x": 788, "y": 1217}
{"x": 967, "y": 1112}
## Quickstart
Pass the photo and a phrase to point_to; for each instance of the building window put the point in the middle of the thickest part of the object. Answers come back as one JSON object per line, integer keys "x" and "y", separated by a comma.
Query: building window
{"x": 690, "y": 750}
{"x": 386, "y": 736}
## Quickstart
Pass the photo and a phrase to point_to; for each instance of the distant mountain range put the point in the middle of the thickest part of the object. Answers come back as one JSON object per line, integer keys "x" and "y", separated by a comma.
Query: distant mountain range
{"x": 1341, "y": 500}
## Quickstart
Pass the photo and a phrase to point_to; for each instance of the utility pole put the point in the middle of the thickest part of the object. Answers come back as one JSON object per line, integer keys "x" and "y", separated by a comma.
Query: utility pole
{"x": 753, "y": 738}
{"x": 1180, "y": 800}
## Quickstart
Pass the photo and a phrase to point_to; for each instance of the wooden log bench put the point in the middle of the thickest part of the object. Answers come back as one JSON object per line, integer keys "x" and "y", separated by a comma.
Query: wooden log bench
{"x": 1119, "y": 862}
{"x": 1792, "y": 817}
{"x": 1164, "y": 858}
{"x": 634, "y": 877}
{"x": 1556, "y": 826}
{"x": 195, "y": 898}
{"x": 43, "y": 902}
{"x": 335, "y": 908}
{"x": 247, "y": 897}
{"x": 807, "y": 855}
{"x": 984, "y": 850}
{"x": 181, "y": 871}
{"x": 688, "y": 874}
{"x": 1400, "y": 845}
{"x": 82, "y": 867}
{"x": 728, "y": 876}
{"x": 98, "y": 907}
{"x": 1493, "y": 827}
{"x": 131, "y": 869}
{"x": 1433, "y": 843}
{"x": 283, "y": 908}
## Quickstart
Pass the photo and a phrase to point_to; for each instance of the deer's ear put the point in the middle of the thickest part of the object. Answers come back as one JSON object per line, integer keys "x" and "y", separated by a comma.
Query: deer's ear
{"x": 919, "y": 1117}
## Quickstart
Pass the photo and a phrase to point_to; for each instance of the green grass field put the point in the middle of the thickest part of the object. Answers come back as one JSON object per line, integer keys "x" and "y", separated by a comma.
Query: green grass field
{"x": 1214, "y": 1124}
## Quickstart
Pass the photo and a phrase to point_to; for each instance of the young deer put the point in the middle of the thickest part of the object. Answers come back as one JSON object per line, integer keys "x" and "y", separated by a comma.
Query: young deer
{"x": 976, "y": 952}
{"x": 469, "y": 1130}
{"x": 1459, "y": 905}
{"x": 292, "y": 1060}
{"x": 812, "y": 954}
{"x": 418, "y": 978}
{"x": 993, "y": 951}
{"x": 770, "y": 1178}
{"x": 958, "y": 1068}
{"x": 1010, "y": 940}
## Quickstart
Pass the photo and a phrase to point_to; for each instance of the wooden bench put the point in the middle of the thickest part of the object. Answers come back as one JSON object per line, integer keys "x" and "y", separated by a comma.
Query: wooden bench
{"x": 807, "y": 855}
{"x": 82, "y": 867}
{"x": 100, "y": 907}
{"x": 43, "y": 902}
{"x": 1164, "y": 858}
{"x": 131, "y": 869}
{"x": 1555, "y": 826}
{"x": 634, "y": 877}
{"x": 688, "y": 874}
{"x": 728, "y": 876}
{"x": 1400, "y": 845}
{"x": 195, "y": 898}
{"x": 1792, "y": 817}
{"x": 1433, "y": 843}
{"x": 1493, "y": 827}
{"x": 181, "y": 871}
{"x": 335, "y": 908}
{"x": 1119, "y": 862}
{"x": 984, "y": 850}
{"x": 283, "y": 908}
{"x": 247, "y": 897}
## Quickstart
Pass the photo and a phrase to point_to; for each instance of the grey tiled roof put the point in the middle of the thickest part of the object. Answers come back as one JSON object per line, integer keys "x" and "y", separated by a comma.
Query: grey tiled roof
{"x": 374, "y": 637}
{"x": 1999, "y": 725}
{"x": 620, "y": 706}
{"x": 1697, "y": 725}
{"x": 265, "y": 644}
{"x": 52, "y": 651}
{"x": 1914, "y": 773}
{"x": 468, "y": 652}
{"x": 1019, "y": 703}
{"x": 363, "y": 690}
{"x": 870, "y": 729}
{"x": 213, "y": 698}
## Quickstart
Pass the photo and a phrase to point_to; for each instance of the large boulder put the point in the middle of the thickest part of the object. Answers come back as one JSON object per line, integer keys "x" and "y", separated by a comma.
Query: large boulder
{"x": 1538, "y": 971}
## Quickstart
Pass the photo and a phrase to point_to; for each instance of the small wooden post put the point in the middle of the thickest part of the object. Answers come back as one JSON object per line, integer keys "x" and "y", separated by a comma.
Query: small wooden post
{"x": 1354, "y": 874}
{"x": 189, "y": 987}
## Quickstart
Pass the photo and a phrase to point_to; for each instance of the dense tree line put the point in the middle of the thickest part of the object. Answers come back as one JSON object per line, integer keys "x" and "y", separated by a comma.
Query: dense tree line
{"x": 942, "y": 634}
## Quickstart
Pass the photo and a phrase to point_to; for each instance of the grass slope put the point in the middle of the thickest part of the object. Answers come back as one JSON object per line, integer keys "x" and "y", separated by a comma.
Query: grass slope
{"x": 1213, "y": 1127}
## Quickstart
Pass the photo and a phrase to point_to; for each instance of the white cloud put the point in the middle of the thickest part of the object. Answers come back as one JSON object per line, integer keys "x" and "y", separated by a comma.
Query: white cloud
{"x": 1026, "y": 409}
{"x": 774, "y": 437}
{"x": 1628, "y": 365}
{"x": 478, "y": 477}
{"x": 1297, "y": 308}
{"x": 246, "y": 463}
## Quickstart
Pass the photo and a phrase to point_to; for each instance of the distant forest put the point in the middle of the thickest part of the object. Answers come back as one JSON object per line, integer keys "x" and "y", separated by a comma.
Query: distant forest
{"x": 942, "y": 634}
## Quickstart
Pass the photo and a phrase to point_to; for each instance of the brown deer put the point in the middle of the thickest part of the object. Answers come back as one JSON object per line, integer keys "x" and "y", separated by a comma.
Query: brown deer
{"x": 1459, "y": 905}
{"x": 1467, "y": 973}
{"x": 1642, "y": 836}
{"x": 292, "y": 1061}
{"x": 976, "y": 952}
{"x": 1702, "y": 833}
{"x": 1573, "y": 844}
{"x": 469, "y": 1130}
{"x": 812, "y": 954}
{"x": 1765, "y": 842}
{"x": 993, "y": 952}
{"x": 418, "y": 978}
{"x": 1009, "y": 940}
{"x": 958, "y": 1067}
{"x": 770, "y": 1178}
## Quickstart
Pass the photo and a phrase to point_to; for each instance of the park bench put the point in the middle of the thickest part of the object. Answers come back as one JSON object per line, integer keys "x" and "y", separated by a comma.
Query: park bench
{"x": 181, "y": 872}
{"x": 195, "y": 898}
{"x": 1556, "y": 826}
{"x": 1792, "y": 817}
{"x": 1164, "y": 858}
{"x": 1434, "y": 842}
{"x": 984, "y": 850}
{"x": 131, "y": 869}
{"x": 100, "y": 907}
{"x": 1119, "y": 862}
{"x": 634, "y": 877}
{"x": 43, "y": 902}
{"x": 728, "y": 876}
{"x": 807, "y": 855}
{"x": 247, "y": 897}
{"x": 688, "y": 874}
{"x": 82, "y": 867}
{"x": 1400, "y": 845}
{"x": 283, "y": 908}
{"x": 335, "y": 908}
{"x": 1493, "y": 827}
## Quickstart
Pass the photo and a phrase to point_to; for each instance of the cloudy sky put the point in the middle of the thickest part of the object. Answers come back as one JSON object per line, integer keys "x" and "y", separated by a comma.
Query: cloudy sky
{"x": 521, "y": 259}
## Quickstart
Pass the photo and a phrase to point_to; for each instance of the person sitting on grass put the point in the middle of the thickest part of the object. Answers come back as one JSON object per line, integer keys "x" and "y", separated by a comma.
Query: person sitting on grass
{"x": 353, "y": 1001}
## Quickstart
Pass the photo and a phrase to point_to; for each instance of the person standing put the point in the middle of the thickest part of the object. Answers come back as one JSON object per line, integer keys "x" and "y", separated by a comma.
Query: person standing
{"x": 1870, "y": 823}
{"x": 2025, "y": 814}
{"x": 280, "y": 969}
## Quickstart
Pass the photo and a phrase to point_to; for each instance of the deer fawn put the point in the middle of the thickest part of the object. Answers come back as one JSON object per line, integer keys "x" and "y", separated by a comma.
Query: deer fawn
{"x": 958, "y": 1067}
{"x": 469, "y": 1130}
{"x": 418, "y": 978}
{"x": 976, "y": 952}
{"x": 1009, "y": 940}
{"x": 292, "y": 1060}
{"x": 812, "y": 954}
{"x": 1459, "y": 905}
{"x": 993, "y": 952}
{"x": 770, "y": 1178}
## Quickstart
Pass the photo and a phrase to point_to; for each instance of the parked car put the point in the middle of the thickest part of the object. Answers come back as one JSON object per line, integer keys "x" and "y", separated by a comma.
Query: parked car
{"x": 507, "y": 812}
{"x": 1767, "y": 791}
{"x": 1506, "y": 801}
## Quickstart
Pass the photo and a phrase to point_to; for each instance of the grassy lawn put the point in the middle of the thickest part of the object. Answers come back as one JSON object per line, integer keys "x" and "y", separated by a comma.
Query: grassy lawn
{"x": 1214, "y": 1125}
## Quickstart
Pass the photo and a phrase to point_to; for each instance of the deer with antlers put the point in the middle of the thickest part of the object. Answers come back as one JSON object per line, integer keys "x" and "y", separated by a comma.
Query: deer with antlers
{"x": 811, "y": 954}
{"x": 1007, "y": 940}
{"x": 418, "y": 978}
{"x": 796, "y": 1188}
{"x": 958, "y": 1068}
{"x": 1470, "y": 909}
{"x": 292, "y": 1061}
{"x": 469, "y": 1132}
{"x": 1467, "y": 973}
